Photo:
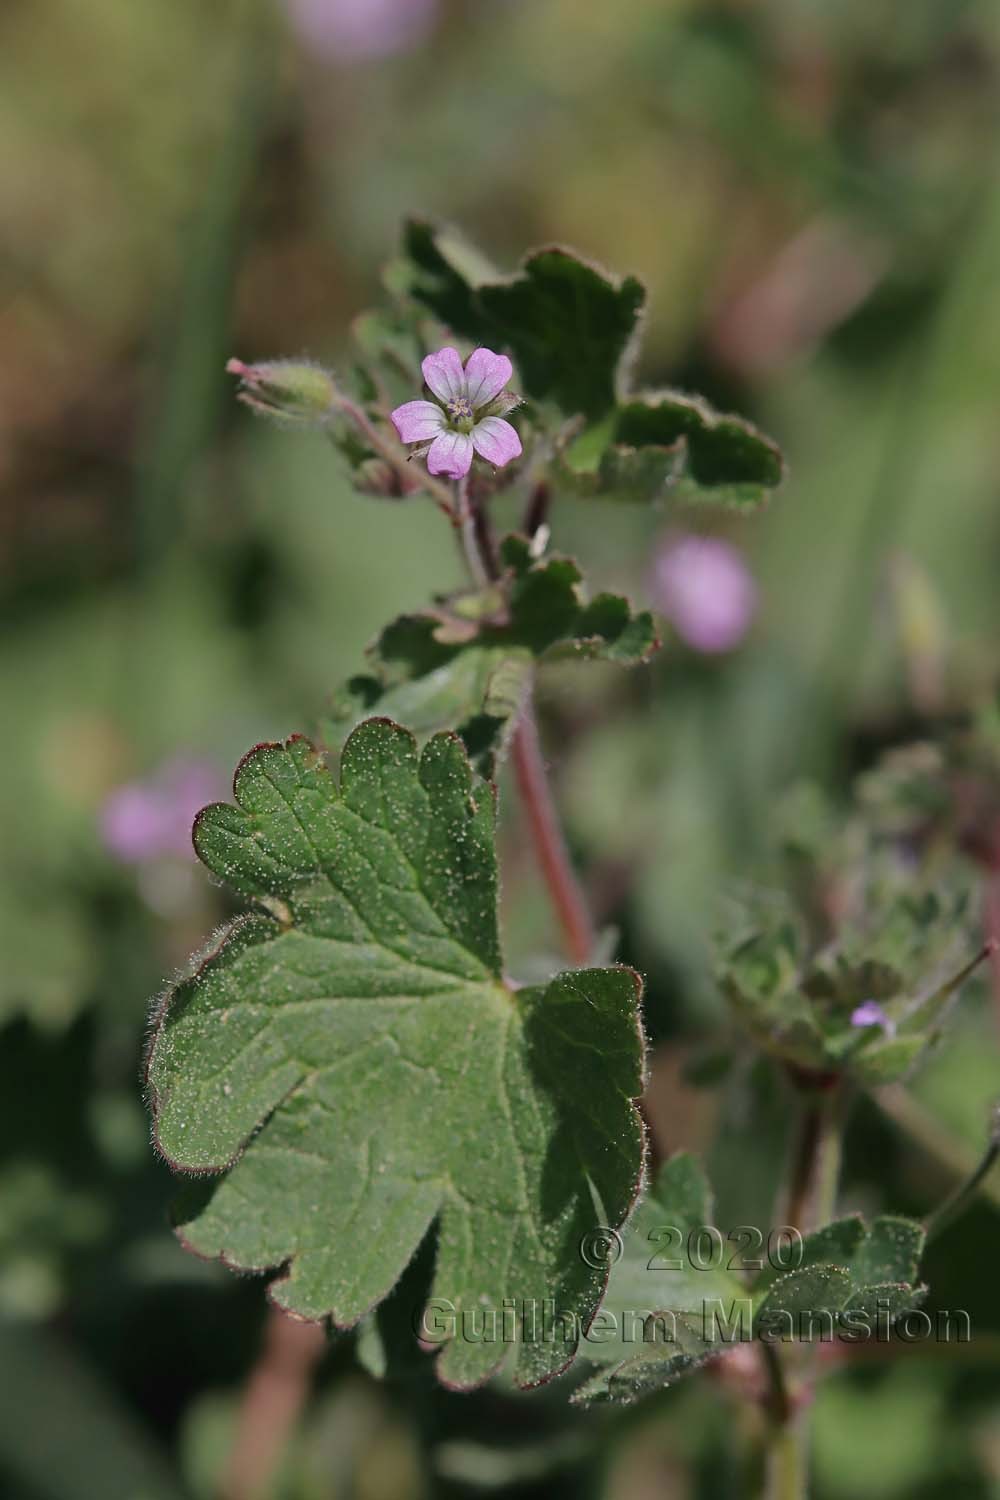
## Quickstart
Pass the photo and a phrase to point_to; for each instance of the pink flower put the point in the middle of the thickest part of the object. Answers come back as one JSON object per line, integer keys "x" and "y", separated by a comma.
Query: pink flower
{"x": 870, "y": 1013}
{"x": 466, "y": 416}
{"x": 704, "y": 588}
{"x": 151, "y": 819}
{"x": 357, "y": 29}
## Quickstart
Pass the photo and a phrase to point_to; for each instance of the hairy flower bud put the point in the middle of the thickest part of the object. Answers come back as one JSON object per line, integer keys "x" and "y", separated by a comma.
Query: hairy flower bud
{"x": 287, "y": 389}
{"x": 502, "y": 405}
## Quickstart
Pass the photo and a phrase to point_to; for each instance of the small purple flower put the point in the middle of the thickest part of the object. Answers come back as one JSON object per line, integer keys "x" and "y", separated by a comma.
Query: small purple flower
{"x": 151, "y": 819}
{"x": 870, "y": 1013}
{"x": 466, "y": 416}
{"x": 705, "y": 589}
{"x": 358, "y": 29}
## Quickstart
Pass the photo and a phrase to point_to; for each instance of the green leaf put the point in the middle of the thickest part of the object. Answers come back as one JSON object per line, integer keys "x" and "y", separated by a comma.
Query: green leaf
{"x": 351, "y": 1061}
{"x": 668, "y": 445}
{"x": 825, "y": 1302}
{"x": 662, "y": 1325}
{"x": 812, "y": 1290}
{"x": 887, "y": 1061}
{"x": 656, "y": 1269}
{"x": 442, "y": 271}
{"x": 846, "y": 1266}
{"x": 651, "y": 1371}
{"x": 467, "y": 664}
{"x": 567, "y": 323}
{"x": 658, "y": 1318}
{"x": 884, "y": 1302}
{"x": 682, "y": 1191}
{"x": 477, "y": 692}
{"x": 835, "y": 1244}
{"x": 725, "y": 459}
{"x": 890, "y": 1251}
{"x": 388, "y": 1344}
{"x": 548, "y": 615}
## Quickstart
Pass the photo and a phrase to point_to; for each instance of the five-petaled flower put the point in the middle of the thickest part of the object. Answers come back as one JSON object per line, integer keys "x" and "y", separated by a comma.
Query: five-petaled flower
{"x": 465, "y": 417}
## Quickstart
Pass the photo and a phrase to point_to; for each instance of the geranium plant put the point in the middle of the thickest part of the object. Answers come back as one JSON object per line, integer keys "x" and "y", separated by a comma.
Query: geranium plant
{"x": 348, "y": 1075}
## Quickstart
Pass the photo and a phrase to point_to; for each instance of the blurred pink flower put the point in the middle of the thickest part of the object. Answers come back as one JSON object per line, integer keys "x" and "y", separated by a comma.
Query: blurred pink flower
{"x": 705, "y": 589}
{"x": 870, "y": 1013}
{"x": 356, "y": 29}
{"x": 150, "y": 819}
{"x": 466, "y": 417}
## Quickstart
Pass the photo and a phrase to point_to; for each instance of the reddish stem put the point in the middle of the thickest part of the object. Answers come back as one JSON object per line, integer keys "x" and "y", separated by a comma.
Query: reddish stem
{"x": 550, "y": 846}
{"x": 275, "y": 1394}
{"x": 991, "y": 924}
{"x": 529, "y": 763}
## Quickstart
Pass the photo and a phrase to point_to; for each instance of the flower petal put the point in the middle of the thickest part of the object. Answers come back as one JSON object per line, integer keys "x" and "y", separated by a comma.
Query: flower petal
{"x": 496, "y": 441}
{"x": 486, "y": 374}
{"x": 417, "y": 421}
{"x": 451, "y": 455}
{"x": 444, "y": 374}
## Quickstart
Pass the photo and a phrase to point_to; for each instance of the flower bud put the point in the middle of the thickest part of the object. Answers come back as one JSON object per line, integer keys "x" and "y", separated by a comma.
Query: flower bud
{"x": 287, "y": 389}
{"x": 501, "y": 405}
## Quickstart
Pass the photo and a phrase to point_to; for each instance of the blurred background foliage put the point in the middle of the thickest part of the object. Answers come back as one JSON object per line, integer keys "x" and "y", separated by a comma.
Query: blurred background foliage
{"x": 811, "y": 192}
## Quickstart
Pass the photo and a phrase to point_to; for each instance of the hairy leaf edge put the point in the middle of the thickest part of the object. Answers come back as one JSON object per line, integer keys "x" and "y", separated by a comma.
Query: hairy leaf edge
{"x": 216, "y": 945}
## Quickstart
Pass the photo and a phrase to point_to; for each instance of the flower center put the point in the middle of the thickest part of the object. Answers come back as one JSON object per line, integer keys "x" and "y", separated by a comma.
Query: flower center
{"x": 460, "y": 411}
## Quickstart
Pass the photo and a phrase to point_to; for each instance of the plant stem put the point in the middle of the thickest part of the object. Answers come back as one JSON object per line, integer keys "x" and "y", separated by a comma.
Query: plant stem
{"x": 779, "y": 1402}
{"x": 392, "y": 453}
{"x": 785, "y": 1472}
{"x": 565, "y": 892}
{"x": 803, "y": 1160}
{"x": 961, "y": 1197}
{"x": 275, "y": 1394}
{"x": 787, "y": 1462}
{"x": 811, "y": 1202}
{"x": 550, "y": 846}
{"x": 812, "y": 1192}
{"x": 478, "y": 560}
{"x": 991, "y": 924}
{"x": 785, "y": 1468}
{"x": 932, "y": 1138}
{"x": 829, "y": 1157}
{"x": 537, "y": 512}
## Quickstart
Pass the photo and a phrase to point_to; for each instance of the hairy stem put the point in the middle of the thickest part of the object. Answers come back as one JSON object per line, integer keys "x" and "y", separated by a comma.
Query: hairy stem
{"x": 564, "y": 889}
{"x": 478, "y": 557}
{"x": 275, "y": 1395}
{"x": 565, "y": 892}
{"x": 393, "y": 455}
